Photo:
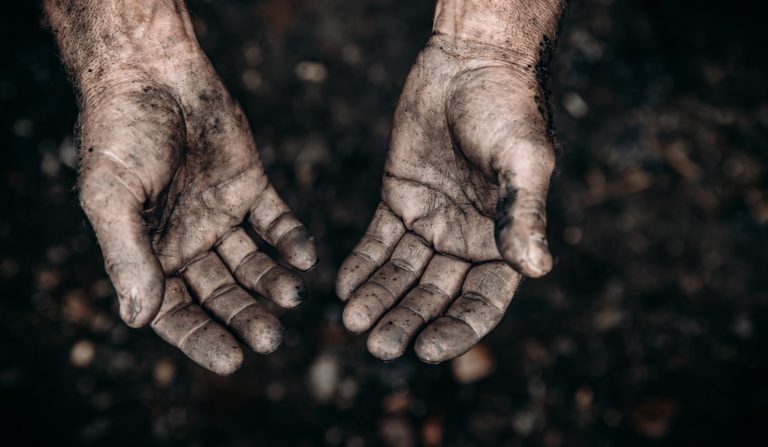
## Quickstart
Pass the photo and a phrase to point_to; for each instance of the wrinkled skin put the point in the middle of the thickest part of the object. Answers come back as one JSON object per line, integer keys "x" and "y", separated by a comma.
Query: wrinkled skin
{"x": 170, "y": 179}
{"x": 463, "y": 209}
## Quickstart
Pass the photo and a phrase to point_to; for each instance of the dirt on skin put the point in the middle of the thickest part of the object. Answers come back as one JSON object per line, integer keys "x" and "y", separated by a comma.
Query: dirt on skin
{"x": 650, "y": 330}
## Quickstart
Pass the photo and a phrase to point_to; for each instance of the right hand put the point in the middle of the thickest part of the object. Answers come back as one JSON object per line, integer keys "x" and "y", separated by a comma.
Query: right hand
{"x": 169, "y": 178}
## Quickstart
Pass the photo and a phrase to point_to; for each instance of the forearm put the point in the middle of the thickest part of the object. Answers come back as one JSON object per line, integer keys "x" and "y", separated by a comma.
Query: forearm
{"x": 100, "y": 37}
{"x": 525, "y": 28}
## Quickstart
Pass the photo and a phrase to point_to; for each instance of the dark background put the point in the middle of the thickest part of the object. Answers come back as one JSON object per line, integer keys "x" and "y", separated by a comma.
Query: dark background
{"x": 651, "y": 330}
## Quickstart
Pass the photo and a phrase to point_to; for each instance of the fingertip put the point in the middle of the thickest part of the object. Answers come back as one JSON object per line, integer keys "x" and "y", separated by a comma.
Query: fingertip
{"x": 213, "y": 348}
{"x": 284, "y": 288}
{"x": 443, "y": 340}
{"x": 539, "y": 259}
{"x": 527, "y": 254}
{"x": 343, "y": 289}
{"x": 357, "y": 317}
{"x": 391, "y": 336}
{"x": 298, "y": 248}
{"x": 352, "y": 273}
{"x": 387, "y": 342}
{"x": 270, "y": 339}
{"x": 140, "y": 294}
{"x": 346, "y": 283}
{"x": 229, "y": 363}
{"x": 259, "y": 329}
{"x": 267, "y": 340}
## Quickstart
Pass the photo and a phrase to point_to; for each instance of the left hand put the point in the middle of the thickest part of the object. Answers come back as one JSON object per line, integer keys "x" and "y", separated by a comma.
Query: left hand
{"x": 463, "y": 209}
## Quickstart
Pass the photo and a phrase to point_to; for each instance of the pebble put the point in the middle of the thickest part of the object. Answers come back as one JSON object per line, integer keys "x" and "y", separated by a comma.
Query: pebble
{"x": 324, "y": 377}
{"x": 82, "y": 353}
{"x": 164, "y": 372}
{"x": 476, "y": 364}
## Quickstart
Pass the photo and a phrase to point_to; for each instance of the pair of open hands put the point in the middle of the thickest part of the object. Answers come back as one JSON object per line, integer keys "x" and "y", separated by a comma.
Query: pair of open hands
{"x": 172, "y": 182}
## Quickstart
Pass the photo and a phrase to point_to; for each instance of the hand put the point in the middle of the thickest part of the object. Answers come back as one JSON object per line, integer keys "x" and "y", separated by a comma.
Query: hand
{"x": 171, "y": 180}
{"x": 463, "y": 208}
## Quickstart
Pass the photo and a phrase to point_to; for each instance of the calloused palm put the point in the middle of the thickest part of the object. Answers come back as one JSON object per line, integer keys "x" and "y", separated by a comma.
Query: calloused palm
{"x": 169, "y": 178}
{"x": 463, "y": 208}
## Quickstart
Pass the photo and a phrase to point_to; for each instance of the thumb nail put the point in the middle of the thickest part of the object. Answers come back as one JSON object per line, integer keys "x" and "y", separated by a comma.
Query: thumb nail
{"x": 130, "y": 305}
{"x": 538, "y": 256}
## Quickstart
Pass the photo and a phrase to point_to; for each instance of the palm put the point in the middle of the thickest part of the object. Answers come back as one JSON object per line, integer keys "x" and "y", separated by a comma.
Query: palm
{"x": 430, "y": 256}
{"x": 215, "y": 177}
{"x": 170, "y": 179}
{"x": 436, "y": 191}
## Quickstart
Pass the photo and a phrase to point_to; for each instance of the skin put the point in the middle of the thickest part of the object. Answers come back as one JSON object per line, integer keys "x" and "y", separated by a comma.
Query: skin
{"x": 170, "y": 179}
{"x": 462, "y": 216}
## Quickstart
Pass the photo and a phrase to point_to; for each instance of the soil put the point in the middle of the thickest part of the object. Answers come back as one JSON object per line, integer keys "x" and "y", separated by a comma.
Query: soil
{"x": 651, "y": 330}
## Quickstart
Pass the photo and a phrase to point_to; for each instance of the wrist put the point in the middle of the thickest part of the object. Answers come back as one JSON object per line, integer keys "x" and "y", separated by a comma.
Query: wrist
{"x": 512, "y": 30}
{"x": 104, "y": 41}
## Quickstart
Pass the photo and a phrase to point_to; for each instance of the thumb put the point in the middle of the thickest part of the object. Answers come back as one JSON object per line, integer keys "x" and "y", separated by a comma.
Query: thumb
{"x": 524, "y": 171}
{"x": 495, "y": 117}
{"x": 112, "y": 198}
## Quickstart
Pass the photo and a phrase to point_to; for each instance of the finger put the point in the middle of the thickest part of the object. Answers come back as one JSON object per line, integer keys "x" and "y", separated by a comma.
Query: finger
{"x": 218, "y": 293}
{"x": 521, "y": 220}
{"x": 275, "y": 223}
{"x": 371, "y": 252}
{"x": 502, "y": 126}
{"x": 485, "y": 296}
{"x": 186, "y": 326}
{"x": 112, "y": 198}
{"x": 369, "y": 301}
{"x": 256, "y": 271}
{"x": 437, "y": 288}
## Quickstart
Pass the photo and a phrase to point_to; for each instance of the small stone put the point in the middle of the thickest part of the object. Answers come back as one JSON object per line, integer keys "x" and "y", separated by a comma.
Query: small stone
{"x": 612, "y": 417}
{"x": 476, "y": 364}
{"x": 524, "y": 422}
{"x": 333, "y": 436}
{"x": 82, "y": 353}
{"x": 397, "y": 402}
{"x": 77, "y": 308}
{"x": 324, "y": 377}
{"x": 607, "y": 319}
{"x": 584, "y": 398}
{"x": 432, "y": 432}
{"x": 743, "y": 326}
{"x": 311, "y": 71}
{"x": 572, "y": 235}
{"x": 275, "y": 391}
{"x": 575, "y": 105}
{"x": 164, "y": 372}
{"x": 653, "y": 419}
{"x": 48, "y": 279}
{"x": 396, "y": 432}
{"x": 252, "y": 80}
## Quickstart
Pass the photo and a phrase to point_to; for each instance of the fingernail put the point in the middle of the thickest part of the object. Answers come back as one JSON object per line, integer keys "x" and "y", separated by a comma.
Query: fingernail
{"x": 130, "y": 306}
{"x": 299, "y": 249}
{"x": 213, "y": 348}
{"x": 139, "y": 290}
{"x": 259, "y": 329}
{"x": 387, "y": 342}
{"x": 538, "y": 257}
{"x": 283, "y": 287}
{"x": 356, "y": 318}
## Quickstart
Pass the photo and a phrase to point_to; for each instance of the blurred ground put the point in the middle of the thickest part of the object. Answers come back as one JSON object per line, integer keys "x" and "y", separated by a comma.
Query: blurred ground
{"x": 652, "y": 329}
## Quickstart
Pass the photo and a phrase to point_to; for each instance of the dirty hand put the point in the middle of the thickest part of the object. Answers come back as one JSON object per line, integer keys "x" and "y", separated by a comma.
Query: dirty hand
{"x": 171, "y": 181}
{"x": 465, "y": 184}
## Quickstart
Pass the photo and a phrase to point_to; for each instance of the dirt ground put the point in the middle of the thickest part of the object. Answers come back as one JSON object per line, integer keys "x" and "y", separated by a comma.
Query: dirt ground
{"x": 651, "y": 330}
